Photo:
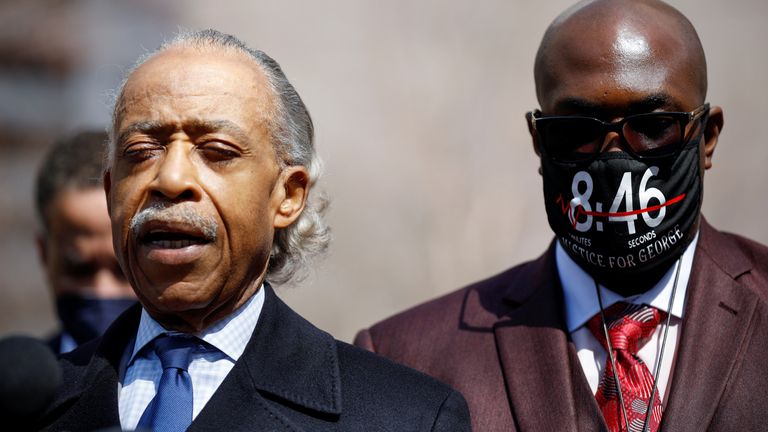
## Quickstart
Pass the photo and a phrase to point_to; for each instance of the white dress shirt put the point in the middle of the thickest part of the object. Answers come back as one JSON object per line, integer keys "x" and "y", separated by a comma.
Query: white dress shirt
{"x": 581, "y": 304}
{"x": 141, "y": 376}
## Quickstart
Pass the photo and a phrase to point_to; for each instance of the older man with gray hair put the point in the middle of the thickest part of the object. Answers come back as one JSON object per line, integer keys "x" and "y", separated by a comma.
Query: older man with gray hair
{"x": 208, "y": 180}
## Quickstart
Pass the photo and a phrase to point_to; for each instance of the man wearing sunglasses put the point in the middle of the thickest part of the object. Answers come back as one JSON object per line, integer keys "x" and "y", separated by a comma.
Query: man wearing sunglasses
{"x": 624, "y": 136}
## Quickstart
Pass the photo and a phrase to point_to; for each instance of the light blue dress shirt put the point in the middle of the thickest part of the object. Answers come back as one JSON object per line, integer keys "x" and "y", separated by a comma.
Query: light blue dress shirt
{"x": 141, "y": 376}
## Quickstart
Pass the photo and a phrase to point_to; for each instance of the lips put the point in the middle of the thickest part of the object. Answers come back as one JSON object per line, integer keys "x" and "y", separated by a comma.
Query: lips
{"x": 172, "y": 242}
{"x": 171, "y": 239}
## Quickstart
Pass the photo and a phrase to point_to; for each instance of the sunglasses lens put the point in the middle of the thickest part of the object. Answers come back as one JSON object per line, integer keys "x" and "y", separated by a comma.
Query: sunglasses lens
{"x": 653, "y": 134}
{"x": 575, "y": 138}
{"x": 570, "y": 139}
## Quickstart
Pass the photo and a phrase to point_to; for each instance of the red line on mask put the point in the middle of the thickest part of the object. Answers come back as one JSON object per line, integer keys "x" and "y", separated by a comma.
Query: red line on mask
{"x": 579, "y": 211}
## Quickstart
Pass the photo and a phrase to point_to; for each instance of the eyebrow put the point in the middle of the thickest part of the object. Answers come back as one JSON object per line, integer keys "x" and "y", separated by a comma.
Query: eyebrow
{"x": 198, "y": 126}
{"x": 193, "y": 126}
{"x": 576, "y": 104}
{"x": 653, "y": 102}
{"x": 647, "y": 104}
{"x": 145, "y": 127}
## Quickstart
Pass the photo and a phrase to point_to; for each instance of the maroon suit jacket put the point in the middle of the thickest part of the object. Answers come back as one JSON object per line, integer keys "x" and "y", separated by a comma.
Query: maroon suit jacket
{"x": 503, "y": 343}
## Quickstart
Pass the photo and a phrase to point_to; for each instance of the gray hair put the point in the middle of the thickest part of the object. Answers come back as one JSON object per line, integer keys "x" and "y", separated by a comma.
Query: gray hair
{"x": 292, "y": 133}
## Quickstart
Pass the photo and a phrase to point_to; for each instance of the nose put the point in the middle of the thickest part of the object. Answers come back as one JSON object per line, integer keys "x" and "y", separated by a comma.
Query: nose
{"x": 109, "y": 284}
{"x": 612, "y": 142}
{"x": 176, "y": 177}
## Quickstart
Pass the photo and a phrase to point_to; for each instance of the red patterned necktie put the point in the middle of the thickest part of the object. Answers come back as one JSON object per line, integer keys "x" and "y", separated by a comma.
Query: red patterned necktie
{"x": 629, "y": 327}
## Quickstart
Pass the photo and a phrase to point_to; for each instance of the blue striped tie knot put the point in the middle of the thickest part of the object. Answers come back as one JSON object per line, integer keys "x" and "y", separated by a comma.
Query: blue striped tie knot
{"x": 171, "y": 408}
{"x": 174, "y": 351}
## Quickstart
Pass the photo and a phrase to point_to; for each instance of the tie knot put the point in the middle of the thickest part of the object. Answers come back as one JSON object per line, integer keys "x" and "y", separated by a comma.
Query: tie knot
{"x": 630, "y": 326}
{"x": 175, "y": 351}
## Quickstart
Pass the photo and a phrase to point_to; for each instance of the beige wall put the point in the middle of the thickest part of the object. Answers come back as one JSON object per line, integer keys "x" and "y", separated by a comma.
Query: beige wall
{"x": 419, "y": 114}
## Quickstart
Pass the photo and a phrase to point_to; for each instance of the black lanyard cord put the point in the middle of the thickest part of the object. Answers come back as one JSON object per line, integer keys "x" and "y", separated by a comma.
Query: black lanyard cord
{"x": 657, "y": 368}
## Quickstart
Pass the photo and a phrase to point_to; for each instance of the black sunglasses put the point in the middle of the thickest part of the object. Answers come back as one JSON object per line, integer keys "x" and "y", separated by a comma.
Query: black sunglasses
{"x": 644, "y": 136}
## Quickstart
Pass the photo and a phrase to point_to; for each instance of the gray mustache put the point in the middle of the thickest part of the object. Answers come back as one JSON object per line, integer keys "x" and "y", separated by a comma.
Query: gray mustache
{"x": 182, "y": 213}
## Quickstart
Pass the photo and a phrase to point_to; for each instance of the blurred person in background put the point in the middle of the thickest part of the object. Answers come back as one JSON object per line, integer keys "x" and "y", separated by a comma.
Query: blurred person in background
{"x": 75, "y": 241}
{"x": 640, "y": 315}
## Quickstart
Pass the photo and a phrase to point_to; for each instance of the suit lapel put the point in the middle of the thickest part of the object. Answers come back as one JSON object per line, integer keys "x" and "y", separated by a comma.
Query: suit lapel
{"x": 96, "y": 408}
{"x": 237, "y": 405}
{"x": 546, "y": 386}
{"x": 288, "y": 363}
{"x": 93, "y": 398}
{"x": 717, "y": 316}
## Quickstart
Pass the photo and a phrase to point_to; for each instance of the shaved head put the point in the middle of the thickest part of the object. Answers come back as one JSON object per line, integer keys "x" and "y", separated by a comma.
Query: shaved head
{"x": 635, "y": 41}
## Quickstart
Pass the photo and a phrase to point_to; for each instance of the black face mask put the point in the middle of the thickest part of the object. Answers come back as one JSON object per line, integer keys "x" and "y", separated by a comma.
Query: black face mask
{"x": 86, "y": 318}
{"x": 622, "y": 219}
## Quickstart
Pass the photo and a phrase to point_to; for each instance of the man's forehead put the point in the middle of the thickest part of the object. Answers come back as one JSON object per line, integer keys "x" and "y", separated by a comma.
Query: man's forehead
{"x": 80, "y": 210}
{"x": 637, "y": 35}
{"x": 625, "y": 59}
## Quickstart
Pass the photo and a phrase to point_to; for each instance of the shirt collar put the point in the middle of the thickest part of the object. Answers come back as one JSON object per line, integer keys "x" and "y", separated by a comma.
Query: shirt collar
{"x": 581, "y": 302}
{"x": 229, "y": 335}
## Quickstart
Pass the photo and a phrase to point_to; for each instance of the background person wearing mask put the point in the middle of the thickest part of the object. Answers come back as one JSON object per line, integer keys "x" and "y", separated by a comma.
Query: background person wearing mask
{"x": 75, "y": 241}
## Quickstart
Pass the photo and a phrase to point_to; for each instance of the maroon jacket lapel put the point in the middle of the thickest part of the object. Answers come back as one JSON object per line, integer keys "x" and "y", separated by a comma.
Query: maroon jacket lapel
{"x": 717, "y": 318}
{"x": 546, "y": 386}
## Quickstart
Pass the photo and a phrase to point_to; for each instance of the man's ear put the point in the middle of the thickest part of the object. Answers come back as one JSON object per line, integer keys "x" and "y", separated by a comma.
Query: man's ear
{"x": 107, "y": 183}
{"x": 294, "y": 187}
{"x": 42, "y": 250}
{"x": 711, "y": 133}
{"x": 534, "y": 135}
{"x": 532, "y": 131}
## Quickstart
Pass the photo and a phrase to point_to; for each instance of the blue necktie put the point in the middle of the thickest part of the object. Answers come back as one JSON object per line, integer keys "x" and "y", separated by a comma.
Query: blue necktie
{"x": 171, "y": 408}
